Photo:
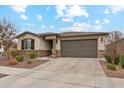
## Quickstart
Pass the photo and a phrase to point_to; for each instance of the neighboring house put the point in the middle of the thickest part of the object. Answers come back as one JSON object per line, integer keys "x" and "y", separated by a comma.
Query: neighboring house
{"x": 119, "y": 48}
{"x": 67, "y": 44}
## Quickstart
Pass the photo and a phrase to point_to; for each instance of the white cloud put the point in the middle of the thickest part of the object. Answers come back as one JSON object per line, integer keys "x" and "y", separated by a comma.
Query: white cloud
{"x": 83, "y": 27}
{"x": 39, "y": 17}
{"x": 77, "y": 27}
{"x": 106, "y": 11}
{"x": 23, "y": 16}
{"x": 29, "y": 24}
{"x": 114, "y": 9}
{"x": 97, "y": 22}
{"x": 77, "y": 11}
{"x": 43, "y": 26}
{"x": 67, "y": 19}
{"x": 106, "y": 21}
{"x": 96, "y": 27}
{"x": 102, "y": 22}
{"x": 60, "y": 10}
{"x": 69, "y": 12}
{"x": 19, "y": 8}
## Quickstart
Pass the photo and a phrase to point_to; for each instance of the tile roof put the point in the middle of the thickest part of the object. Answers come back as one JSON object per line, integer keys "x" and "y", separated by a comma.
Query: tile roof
{"x": 82, "y": 33}
{"x": 27, "y": 32}
{"x": 64, "y": 33}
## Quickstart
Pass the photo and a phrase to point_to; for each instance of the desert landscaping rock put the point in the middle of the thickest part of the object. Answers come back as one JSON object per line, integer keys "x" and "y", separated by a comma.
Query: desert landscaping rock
{"x": 23, "y": 64}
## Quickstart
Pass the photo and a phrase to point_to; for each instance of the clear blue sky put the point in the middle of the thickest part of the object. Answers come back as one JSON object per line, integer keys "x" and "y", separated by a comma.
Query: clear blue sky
{"x": 41, "y": 18}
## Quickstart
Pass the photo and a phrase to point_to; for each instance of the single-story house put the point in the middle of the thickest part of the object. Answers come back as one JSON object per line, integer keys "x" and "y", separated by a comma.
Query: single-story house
{"x": 66, "y": 44}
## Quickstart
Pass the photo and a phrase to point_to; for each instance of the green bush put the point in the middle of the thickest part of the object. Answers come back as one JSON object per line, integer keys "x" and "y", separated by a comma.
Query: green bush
{"x": 32, "y": 54}
{"x": 111, "y": 66}
{"x": 117, "y": 60}
{"x": 13, "y": 53}
{"x": 122, "y": 61}
{"x": 108, "y": 58}
{"x": 19, "y": 58}
{"x": 29, "y": 61}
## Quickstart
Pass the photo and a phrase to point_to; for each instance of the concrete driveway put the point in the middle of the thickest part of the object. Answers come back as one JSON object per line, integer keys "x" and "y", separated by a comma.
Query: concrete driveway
{"x": 60, "y": 72}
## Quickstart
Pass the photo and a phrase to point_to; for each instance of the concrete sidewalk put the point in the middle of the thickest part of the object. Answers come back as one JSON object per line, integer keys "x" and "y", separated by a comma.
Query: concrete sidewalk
{"x": 60, "y": 73}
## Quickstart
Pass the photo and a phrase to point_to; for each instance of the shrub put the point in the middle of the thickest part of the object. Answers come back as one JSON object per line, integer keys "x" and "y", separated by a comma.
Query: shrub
{"x": 13, "y": 54}
{"x": 108, "y": 58}
{"x": 12, "y": 62}
{"x": 111, "y": 66}
{"x": 122, "y": 61}
{"x": 32, "y": 54}
{"x": 19, "y": 58}
{"x": 117, "y": 60}
{"x": 29, "y": 61}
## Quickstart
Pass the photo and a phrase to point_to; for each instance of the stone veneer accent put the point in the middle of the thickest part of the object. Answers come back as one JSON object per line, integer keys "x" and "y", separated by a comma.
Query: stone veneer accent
{"x": 101, "y": 53}
{"x": 58, "y": 53}
{"x": 40, "y": 53}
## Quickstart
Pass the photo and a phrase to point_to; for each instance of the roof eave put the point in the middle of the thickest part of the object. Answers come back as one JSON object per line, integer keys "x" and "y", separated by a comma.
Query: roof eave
{"x": 26, "y": 33}
{"x": 101, "y": 34}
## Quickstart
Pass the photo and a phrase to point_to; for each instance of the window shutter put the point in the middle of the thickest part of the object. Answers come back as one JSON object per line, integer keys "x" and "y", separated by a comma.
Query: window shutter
{"x": 22, "y": 44}
{"x": 32, "y": 44}
{"x": 26, "y": 44}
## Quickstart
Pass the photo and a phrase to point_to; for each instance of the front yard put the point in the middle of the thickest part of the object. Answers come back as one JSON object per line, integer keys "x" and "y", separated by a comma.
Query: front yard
{"x": 26, "y": 63}
{"x": 118, "y": 73}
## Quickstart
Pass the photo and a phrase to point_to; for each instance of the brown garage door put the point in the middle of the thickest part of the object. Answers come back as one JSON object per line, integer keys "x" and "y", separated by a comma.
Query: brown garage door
{"x": 79, "y": 48}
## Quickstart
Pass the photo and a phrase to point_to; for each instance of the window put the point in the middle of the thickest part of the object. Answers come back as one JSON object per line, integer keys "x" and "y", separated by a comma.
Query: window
{"x": 27, "y": 44}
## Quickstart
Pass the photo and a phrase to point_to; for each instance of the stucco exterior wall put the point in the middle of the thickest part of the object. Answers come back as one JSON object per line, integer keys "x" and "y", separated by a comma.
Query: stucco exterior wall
{"x": 40, "y": 44}
{"x": 101, "y": 44}
{"x": 101, "y": 47}
{"x": 45, "y": 44}
{"x": 58, "y": 44}
{"x": 74, "y": 38}
{"x": 79, "y": 37}
{"x": 26, "y": 36}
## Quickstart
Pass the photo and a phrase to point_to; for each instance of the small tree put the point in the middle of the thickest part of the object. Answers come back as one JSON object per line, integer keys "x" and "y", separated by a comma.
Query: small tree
{"x": 8, "y": 31}
{"x": 112, "y": 39}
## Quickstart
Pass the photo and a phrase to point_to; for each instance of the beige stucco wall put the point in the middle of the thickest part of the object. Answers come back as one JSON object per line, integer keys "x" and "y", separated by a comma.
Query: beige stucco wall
{"x": 50, "y": 37}
{"x": 40, "y": 44}
{"x": 74, "y": 38}
{"x": 45, "y": 44}
{"x": 101, "y": 44}
{"x": 79, "y": 37}
{"x": 58, "y": 44}
{"x": 26, "y": 36}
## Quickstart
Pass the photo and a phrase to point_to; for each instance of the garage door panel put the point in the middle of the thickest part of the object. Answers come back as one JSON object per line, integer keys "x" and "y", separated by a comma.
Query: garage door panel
{"x": 79, "y": 48}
